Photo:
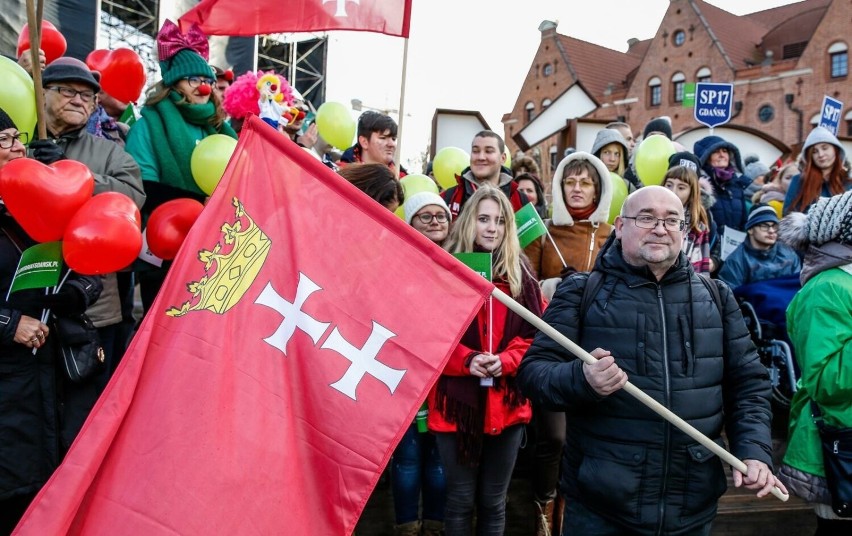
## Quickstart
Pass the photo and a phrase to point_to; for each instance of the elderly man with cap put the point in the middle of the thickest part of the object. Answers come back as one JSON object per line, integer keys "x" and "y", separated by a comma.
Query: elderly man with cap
{"x": 70, "y": 96}
{"x": 760, "y": 256}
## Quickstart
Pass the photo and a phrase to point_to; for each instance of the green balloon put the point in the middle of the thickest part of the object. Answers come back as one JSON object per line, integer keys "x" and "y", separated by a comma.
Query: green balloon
{"x": 209, "y": 160}
{"x": 652, "y": 159}
{"x": 619, "y": 194}
{"x": 414, "y": 184}
{"x": 335, "y": 125}
{"x": 449, "y": 162}
{"x": 17, "y": 96}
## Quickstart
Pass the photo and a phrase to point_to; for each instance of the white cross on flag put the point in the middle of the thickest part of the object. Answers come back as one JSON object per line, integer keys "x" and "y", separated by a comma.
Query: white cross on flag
{"x": 296, "y": 335}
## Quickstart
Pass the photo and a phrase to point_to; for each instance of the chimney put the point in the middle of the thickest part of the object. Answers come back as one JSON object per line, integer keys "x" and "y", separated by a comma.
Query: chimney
{"x": 547, "y": 28}
{"x": 630, "y": 42}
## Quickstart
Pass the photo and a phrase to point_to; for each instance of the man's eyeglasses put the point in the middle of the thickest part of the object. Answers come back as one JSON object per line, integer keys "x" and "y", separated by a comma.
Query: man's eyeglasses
{"x": 7, "y": 140}
{"x": 69, "y": 93}
{"x": 195, "y": 81}
{"x": 584, "y": 183}
{"x": 650, "y": 222}
{"x": 767, "y": 226}
{"x": 426, "y": 219}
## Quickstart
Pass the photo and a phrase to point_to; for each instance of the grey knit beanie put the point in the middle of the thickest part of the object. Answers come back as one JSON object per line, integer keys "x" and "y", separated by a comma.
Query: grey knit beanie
{"x": 755, "y": 170}
{"x": 605, "y": 137}
{"x": 828, "y": 220}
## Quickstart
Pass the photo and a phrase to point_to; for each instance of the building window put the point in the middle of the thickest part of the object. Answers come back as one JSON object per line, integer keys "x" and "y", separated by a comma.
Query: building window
{"x": 766, "y": 113}
{"x": 703, "y": 75}
{"x": 548, "y": 69}
{"x": 678, "y": 38}
{"x": 848, "y": 119}
{"x": 554, "y": 158}
{"x": 839, "y": 56}
{"x": 545, "y": 103}
{"x": 655, "y": 92}
{"x": 530, "y": 111}
{"x": 678, "y": 81}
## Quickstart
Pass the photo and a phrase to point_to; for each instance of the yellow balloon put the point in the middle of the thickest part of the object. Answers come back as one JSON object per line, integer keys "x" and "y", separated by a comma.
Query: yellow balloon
{"x": 449, "y": 162}
{"x": 335, "y": 125}
{"x": 413, "y": 184}
{"x": 17, "y": 96}
{"x": 619, "y": 193}
{"x": 508, "y": 162}
{"x": 209, "y": 160}
{"x": 652, "y": 159}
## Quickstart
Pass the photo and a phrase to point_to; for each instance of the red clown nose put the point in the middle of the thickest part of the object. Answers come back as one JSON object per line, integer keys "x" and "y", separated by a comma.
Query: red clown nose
{"x": 204, "y": 90}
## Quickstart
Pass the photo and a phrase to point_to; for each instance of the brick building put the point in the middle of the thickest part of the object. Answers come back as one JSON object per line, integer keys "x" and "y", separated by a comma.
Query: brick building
{"x": 782, "y": 61}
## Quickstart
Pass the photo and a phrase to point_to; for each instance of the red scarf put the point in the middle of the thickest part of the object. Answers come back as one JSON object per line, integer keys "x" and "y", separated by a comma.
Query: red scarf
{"x": 580, "y": 214}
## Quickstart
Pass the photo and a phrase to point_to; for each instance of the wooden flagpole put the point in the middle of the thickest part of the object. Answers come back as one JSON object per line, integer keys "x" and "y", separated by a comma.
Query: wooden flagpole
{"x": 398, "y": 155}
{"x": 34, "y": 18}
{"x": 634, "y": 391}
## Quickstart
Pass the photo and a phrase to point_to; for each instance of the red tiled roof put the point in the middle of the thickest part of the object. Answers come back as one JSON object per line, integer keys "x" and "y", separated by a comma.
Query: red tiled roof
{"x": 598, "y": 66}
{"x": 770, "y": 18}
{"x": 738, "y": 36}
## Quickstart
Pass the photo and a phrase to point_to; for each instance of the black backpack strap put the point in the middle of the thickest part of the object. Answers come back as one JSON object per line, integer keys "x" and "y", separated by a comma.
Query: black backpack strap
{"x": 593, "y": 285}
{"x": 713, "y": 288}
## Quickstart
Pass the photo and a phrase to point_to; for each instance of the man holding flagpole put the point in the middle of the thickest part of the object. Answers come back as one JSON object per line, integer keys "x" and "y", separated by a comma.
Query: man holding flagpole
{"x": 678, "y": 338}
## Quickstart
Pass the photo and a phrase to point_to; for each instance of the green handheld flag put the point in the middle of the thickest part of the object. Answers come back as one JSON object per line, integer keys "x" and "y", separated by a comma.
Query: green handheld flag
{"x": 530, "y": 224}
{"x": 129, "y": 115}
{"x": 40, "y": 267}
{"x": 688, "y": 96}
{"x": 478, "y": 262}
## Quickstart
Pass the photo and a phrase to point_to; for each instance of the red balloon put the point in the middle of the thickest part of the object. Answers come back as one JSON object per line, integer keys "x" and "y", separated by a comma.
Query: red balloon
{"x": 52, "y": 41}
{"x": 169, "y": 224}
{"x": 43, "y": 199}
{"x": 122, "y": 72}
{"x": 104, "y": 235}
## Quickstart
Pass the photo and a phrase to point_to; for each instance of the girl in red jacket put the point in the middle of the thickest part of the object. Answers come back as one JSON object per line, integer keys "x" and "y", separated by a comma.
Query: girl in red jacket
{"x": 476, "y": 409}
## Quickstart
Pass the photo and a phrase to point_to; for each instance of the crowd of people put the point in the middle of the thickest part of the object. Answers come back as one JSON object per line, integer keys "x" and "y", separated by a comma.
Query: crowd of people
{"x": 647, "y": 292}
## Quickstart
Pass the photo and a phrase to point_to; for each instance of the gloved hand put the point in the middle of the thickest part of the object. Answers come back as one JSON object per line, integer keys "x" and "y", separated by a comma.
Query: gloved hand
{"x": 47, "y": 151}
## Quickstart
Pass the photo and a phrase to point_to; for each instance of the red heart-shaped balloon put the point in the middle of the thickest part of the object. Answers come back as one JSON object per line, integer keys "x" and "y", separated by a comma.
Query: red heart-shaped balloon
{"x": 169, "y": 224}
{"x": 104, "y": 235}
{"x": 122, "y": 72}
{"x": 43, "y": 199}
{"x": 52, "y": 41}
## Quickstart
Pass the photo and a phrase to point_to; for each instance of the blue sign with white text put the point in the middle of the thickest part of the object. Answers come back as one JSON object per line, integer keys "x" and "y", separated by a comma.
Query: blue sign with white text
{"x": 713, "y": 103}
{"x": 830, "y": 115}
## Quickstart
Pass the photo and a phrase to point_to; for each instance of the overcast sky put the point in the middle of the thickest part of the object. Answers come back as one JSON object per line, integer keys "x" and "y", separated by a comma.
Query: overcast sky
{"x": 474, "y": 54}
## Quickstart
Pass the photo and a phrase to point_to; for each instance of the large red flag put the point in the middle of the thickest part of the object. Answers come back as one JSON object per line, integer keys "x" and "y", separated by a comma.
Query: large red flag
{"x": 296, "y": 335}
{"x": 255, "y": 17}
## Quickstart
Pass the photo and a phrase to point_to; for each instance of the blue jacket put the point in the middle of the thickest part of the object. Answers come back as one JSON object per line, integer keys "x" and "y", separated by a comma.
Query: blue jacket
{"x": 730, "y": 208}
{"x": 747, "y": 264}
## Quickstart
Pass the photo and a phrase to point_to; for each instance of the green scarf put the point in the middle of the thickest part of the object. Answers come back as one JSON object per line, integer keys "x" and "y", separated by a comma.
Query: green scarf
{"x": 172, "y": 140}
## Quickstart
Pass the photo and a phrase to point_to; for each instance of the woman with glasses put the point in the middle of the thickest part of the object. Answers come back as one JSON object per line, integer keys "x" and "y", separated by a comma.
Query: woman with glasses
{"x": 582, "y": 194}
{"x": 416, "y": 468}
{"x": 476, "y": 410}
{"x": 179, "y": 111}
{"x": 825, "y": 173}
{"x": 40, "y": 411}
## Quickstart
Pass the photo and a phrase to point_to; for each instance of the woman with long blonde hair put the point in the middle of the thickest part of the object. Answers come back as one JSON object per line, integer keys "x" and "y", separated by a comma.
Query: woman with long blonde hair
{"x": 476, "y": 410}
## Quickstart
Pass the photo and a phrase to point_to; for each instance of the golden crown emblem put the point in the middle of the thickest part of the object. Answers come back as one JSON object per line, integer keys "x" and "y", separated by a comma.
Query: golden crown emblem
{"x": 234, "y": 265}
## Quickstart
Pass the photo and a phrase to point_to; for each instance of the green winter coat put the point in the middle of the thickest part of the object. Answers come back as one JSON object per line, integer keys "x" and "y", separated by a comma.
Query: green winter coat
{"x": 819, "y": 321}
